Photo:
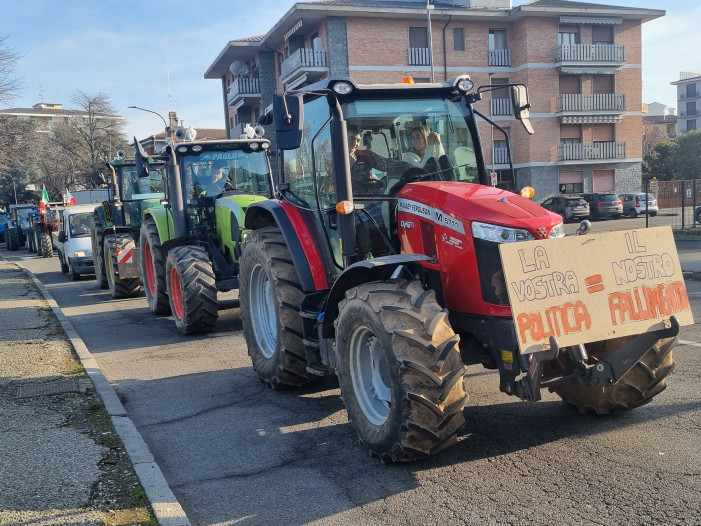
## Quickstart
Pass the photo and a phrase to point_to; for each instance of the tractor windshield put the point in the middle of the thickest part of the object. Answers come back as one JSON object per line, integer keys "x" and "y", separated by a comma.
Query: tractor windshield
{"x": 139, "y": 188}
{"x": 213, "y": 173}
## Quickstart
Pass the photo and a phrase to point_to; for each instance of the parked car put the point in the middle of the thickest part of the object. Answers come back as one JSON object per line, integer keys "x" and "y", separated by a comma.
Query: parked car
{"x": 604, "y": 204}
{"x": 640, "y": 203}
{"x": 570, "y": 207}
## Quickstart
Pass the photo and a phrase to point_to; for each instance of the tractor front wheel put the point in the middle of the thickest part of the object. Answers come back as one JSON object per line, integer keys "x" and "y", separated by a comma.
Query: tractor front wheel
{"x": 96, "y": 234}
{"x": 270, "y": 294}
{"x": 153, "y": 272}
{"x": 119, "y": 288}
{"x": 12, "y": 236}
{"x": 192, "y": 289}
{"x": 400, "y": 370}
{"x": 46, "y": 247}
{"x": 645, "y": 380}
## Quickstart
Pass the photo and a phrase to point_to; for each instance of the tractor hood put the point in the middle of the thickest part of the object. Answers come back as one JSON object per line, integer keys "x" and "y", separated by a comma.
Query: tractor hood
{"x": 473, "y": 202}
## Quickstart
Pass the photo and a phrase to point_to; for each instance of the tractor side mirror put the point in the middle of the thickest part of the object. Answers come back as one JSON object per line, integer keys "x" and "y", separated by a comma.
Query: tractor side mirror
{"x": 519, "y": 101}
{"x": 141, "y": 158}
{"x": 288, "y": 116}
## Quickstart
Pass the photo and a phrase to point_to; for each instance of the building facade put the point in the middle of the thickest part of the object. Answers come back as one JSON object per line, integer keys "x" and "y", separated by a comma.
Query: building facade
{"x": 688, "y": 101}
{"x": 581, "y": 62}
{"x": 47, "y": 116}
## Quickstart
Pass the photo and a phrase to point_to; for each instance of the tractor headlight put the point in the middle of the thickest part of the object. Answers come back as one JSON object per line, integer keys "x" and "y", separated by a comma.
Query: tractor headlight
{"x": 499, "y": 234}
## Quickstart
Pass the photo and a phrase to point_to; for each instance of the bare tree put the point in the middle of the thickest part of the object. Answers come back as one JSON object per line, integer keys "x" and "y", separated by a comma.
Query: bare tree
{"x": 94, "y": 132}
{"x": 9, "y": 83}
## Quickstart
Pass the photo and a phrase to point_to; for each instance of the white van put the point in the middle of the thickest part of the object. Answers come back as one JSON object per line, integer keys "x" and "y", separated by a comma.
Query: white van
{"x": 72, "y": 241}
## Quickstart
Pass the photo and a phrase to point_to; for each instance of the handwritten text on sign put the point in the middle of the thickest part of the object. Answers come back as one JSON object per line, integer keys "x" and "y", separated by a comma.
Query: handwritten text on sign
{"x": 581, "y": 289}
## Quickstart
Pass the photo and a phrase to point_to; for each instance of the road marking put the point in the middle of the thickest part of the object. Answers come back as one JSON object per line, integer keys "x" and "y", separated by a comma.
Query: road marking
{"x": 693, "y": 344}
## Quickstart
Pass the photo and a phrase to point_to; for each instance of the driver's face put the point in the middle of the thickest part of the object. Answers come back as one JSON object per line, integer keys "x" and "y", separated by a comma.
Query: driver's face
{"x": 353, "y": 143}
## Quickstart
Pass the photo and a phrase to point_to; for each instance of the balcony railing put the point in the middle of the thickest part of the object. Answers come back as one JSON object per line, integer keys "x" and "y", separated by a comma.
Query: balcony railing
{"x": 501, "y": 156}
{"x": 592, "y": 102}
{"x": 419, "y": 56}
{"x": 499, "y": 57}
{"x": 501, "y": 107}
{"x": 685, "y": 96}
{"x": 692, "y": 113}
{"x": 591, "y": 151}
{"x": 304, "y": 58}
{"x": 591, "y": 53}
{"x": 243, "y": 87}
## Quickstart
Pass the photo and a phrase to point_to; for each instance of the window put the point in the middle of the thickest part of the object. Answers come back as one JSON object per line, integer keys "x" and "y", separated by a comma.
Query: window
{"x": 691, "y": 108}
{"x": 603, "y": 84}
{"x": 570, "y": 182}
{"x": 458, "y": 39}
{"x": 691, "y": 90}
{"x": 691, "y": 125}
{"x": 602, "y": 34}
{"x": 568, "y": 36}
{"x": 497, "y": 39}
{"x": 570, "y": 85}
{"x": 418, "y": 37}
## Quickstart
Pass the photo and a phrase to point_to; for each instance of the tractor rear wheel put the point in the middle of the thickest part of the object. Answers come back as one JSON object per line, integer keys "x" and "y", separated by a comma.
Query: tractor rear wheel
{"x": 646, "y": 379}
{"x": 153, "y": 271}
{"x": 119, "y": 288}
{"x": 192, "y": 289}
{"x": 46, "y": 247}
{"x": 400, "y": 370}
{"x": 98, "y": 258}
{"x": 270, "y": 295}
{"x": 13, "y": 239}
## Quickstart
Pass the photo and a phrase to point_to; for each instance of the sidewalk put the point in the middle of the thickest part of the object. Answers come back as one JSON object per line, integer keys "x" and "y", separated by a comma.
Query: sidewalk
{"x": 61, "y": 461}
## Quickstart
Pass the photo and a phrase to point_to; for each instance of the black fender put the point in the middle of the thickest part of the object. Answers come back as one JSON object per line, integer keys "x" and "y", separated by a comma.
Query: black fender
{"x": 376, "y": 269}
{"x": 271, "y": 212}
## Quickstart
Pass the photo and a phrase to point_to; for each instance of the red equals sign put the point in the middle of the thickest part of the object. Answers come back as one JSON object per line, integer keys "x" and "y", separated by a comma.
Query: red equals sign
{"x": 594, "y": 283}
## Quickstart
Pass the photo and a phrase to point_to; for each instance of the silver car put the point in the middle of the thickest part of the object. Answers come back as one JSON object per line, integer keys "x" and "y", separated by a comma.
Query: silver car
{"x": 639, "y": 203}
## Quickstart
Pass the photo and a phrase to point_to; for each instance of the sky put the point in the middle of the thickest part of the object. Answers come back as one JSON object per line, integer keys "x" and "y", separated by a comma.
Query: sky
{"x": 140, "y": 53}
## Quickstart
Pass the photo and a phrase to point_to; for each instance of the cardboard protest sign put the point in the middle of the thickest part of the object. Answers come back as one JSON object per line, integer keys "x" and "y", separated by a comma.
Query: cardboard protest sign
{"x": 581, "y": 289}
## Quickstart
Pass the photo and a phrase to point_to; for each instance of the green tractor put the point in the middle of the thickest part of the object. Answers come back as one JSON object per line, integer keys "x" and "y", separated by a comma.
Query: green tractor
{"x": 116, "y": 223}
{"x": 190, "y": 248}
{"x": 17, "y": 228}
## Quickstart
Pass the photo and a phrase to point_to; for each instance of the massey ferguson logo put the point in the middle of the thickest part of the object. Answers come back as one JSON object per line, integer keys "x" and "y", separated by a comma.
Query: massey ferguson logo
{"x": 541, "y": 232}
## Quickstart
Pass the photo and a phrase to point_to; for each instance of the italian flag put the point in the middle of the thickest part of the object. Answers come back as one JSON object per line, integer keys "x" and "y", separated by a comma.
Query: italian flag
{"x": 68, "y": 199}
{"x": 44, "y": 199}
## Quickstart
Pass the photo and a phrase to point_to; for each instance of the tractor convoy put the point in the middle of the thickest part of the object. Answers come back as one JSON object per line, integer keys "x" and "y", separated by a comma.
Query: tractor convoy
{"x": 384, "y": 254}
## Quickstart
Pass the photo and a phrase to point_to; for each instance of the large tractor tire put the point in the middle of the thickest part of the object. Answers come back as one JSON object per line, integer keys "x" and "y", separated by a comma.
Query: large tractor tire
{"x": 646, "y": 379}
{"x": 98, "y": 259}
{"x": 119, "y": 288}
{"x": 31, "y": 242}
{"x": 13, "y": 239}
{"x": 46, "y": 246}
{"x": 270, "y": 295}
{"x": 192, "y": 290}
{"x": 400, "y": 370}
{"x": 153, "y": 271}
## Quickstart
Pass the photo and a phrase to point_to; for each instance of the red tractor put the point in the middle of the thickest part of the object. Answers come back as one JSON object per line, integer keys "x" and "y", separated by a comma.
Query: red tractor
{"x": 379, "y": 261}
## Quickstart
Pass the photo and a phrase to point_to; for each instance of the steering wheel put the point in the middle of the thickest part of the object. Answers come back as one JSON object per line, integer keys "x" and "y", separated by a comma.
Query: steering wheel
{"x": 411, "y": 175}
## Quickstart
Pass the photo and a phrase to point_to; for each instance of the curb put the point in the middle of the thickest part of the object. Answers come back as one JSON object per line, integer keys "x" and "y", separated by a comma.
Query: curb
{"x": 165, "y": 506}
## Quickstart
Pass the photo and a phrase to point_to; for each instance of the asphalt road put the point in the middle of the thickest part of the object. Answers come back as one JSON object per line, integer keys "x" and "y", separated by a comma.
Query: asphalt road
{"x": 235, "y": 452}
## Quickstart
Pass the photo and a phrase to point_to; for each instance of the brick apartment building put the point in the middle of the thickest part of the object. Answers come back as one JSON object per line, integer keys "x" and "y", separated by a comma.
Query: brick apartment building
{"x": 581, "y": 61}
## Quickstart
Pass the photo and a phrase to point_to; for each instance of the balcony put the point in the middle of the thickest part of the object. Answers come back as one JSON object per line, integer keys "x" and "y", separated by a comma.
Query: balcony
{"x": 499, "y": 57}
{"x": 692, "y": 113}
{"x": 419, "y": 56}
{"x": 501, "y": 107}
{"x": 305, "y": 64}
{"x": 688, "y": 96}
{"x": 591, "y": 151}
{"x": 587, "y": 53}
{"x": 242, "y": 87}
{"x": 615, "y": 102}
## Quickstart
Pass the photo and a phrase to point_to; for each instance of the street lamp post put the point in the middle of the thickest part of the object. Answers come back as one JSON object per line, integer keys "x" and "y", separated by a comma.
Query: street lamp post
{"x": 429, "y": 8}
{"x": 151, "y": 111}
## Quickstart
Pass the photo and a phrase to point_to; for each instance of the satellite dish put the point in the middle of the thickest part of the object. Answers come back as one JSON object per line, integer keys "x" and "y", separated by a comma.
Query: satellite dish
{"x": 239, "y": 68}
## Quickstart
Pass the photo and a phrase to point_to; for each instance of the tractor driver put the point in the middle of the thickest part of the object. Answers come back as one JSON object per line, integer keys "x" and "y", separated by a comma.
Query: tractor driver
{"x": 215, "y": 183}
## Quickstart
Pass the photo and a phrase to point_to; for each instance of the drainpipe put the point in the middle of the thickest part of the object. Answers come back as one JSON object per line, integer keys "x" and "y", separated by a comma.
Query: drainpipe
{"x": 445, "y": 52}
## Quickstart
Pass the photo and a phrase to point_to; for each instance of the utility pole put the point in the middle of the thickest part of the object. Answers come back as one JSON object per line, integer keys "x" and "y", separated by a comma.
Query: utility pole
{"x": 429, "y": 8}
